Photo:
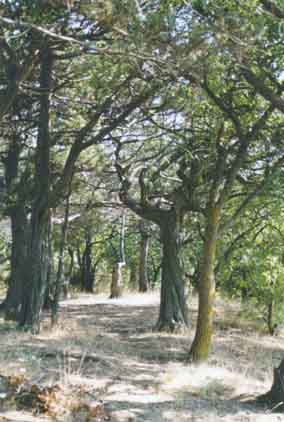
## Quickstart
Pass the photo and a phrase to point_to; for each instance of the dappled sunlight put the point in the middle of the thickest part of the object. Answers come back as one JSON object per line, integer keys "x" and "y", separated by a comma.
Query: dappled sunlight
{"x": 130, "y": 395}
{"x": 15, "y": 416}
{"x": 208, "y": 381}
{"x": 108, "y": 350}
{"x": 128, "y": 299}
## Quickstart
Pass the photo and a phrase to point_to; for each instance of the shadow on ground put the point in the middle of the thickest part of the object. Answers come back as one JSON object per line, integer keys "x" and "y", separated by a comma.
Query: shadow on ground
{"x": 109, "y": 346}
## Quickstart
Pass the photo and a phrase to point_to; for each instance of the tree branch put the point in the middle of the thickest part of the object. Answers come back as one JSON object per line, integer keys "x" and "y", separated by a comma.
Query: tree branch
{"x": 260, "y": 87}
{"x": 270, "y": 7}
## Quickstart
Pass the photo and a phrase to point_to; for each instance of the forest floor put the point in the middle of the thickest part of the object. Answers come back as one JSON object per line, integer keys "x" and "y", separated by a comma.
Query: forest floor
{"x": 106, "y": 355}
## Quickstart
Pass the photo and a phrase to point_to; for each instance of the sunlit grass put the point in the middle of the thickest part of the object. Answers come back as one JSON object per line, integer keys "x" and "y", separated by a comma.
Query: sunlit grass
{"x": 141, "y": 369}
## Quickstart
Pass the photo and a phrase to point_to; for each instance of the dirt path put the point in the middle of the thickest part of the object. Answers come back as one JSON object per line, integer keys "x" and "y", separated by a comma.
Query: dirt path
{"x": 107, "y": 347}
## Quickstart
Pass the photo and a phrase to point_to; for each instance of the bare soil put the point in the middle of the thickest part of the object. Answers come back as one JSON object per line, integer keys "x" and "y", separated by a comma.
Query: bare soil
{"x": 105, "y": 352}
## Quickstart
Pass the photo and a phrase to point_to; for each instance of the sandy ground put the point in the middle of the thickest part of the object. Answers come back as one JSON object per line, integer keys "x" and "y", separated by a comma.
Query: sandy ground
{"x": 108, "y": 349}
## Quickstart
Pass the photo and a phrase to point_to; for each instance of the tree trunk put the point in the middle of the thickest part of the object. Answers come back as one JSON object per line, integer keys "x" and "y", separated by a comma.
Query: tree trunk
{"x": 19, "y": 229}
{"x": 274, "y": 398}
{"x": 87, "y": 270}
{"x": 206, "y": 289}
{"x": 36, "y": 271}
{"x": 79, "y": 257}
{"x": 143, "y": 261}
{"x": 116, "y": 281}
{"x": 36, "y": 274}
{"x": 71, "y": 264}
{"x": 50, "y": 278}
{"x": 68, "y": 275}
{"x": 270, "y": 316}
{"x": 173, "y": 310}
{"x": 60, "y": 273}
{"x": 133, "y": 279}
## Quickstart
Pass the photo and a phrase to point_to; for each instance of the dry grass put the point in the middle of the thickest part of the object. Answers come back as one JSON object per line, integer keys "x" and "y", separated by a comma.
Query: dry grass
{"x": 106, "y": 350}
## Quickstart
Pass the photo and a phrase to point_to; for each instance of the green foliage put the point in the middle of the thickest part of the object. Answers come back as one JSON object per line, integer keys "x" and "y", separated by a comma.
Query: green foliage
{"x": 254, "y": 271}
{"x": 264, "y": 274}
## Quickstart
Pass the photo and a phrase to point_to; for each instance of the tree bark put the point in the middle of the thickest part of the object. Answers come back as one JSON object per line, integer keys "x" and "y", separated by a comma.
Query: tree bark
{"x": 19, "y": 229}
{"x": 117, "y": 279}
{"x": 36, "y": 272}
{"x": 35, "y": 275}
{"x": 274, "y": 398}
{"x": 50, "y": 278}
{"x": 173, "y": 313}
{"x": 133, "y": 279}
{"x": 270, "y": 315}
{"x": 143, "y": 261}
{"x": 87, "y": 270}
{"x": 206, "y": 289}
{"x": 60, "y": 273}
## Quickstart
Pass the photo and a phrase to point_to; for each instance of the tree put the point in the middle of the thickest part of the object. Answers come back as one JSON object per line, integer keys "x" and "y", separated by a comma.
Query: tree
{"x": 252, "y": 267}
{"x": 227, "y": 163}
{"x": 36, "y": 270}
{"x": 237, "y": 135}
{"x": 16, "y": 210}
{"x": 143, "y": 281}
{"x": 53, "y": 52}
{"x": 168, "y": 215}
{"x": 59, "y": 281}
{"x": 117, "y": 278}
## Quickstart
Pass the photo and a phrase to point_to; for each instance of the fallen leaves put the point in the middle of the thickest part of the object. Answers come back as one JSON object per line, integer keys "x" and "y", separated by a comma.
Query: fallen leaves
{"x": 18, "y": 392}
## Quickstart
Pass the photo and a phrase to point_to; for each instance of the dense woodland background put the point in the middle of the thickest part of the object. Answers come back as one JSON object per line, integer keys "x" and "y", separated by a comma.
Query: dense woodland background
{"x": 142, "y": 148}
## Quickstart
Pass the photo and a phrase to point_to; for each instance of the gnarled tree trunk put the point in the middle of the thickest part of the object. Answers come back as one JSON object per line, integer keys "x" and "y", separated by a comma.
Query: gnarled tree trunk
{"x": 36, "y": 274}
{"x": 173, "y": 309}
{"x": 37, "y": 263}
{"x": 16, "y": 209}
{"x": 19, "y": 229}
